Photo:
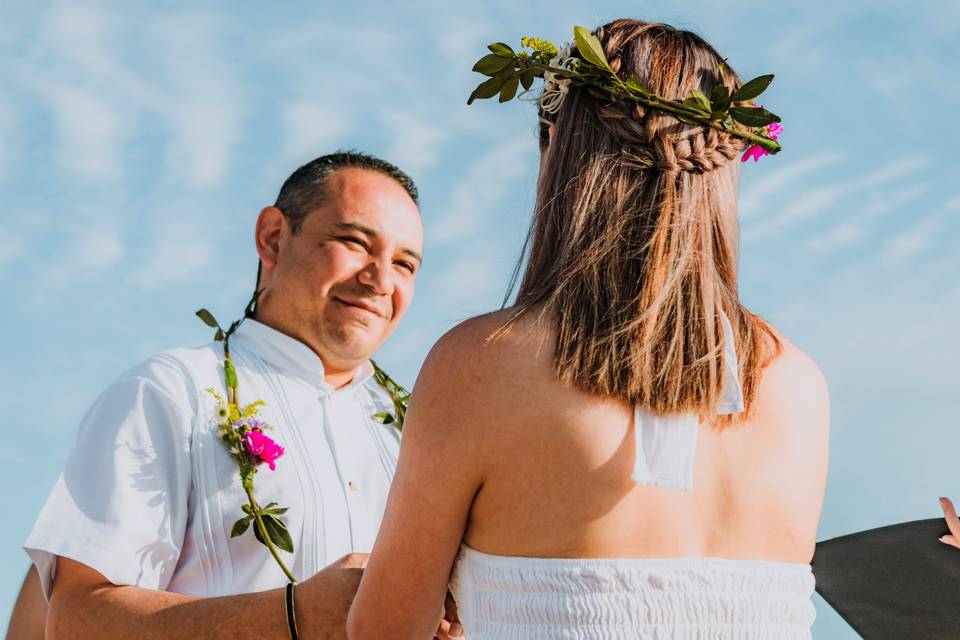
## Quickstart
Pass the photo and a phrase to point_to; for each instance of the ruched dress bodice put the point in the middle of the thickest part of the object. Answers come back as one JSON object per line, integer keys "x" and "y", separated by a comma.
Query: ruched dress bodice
{"x": 509, "y": 598}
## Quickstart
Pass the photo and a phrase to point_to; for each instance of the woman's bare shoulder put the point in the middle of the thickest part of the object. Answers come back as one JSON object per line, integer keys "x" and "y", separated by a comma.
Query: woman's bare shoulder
{"x": 491, "y": 341}
{"x": 793, "y": 392}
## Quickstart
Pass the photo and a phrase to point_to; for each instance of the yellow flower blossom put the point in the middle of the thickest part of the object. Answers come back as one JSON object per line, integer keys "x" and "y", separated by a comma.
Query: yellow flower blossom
{"x": 539, "y": 45}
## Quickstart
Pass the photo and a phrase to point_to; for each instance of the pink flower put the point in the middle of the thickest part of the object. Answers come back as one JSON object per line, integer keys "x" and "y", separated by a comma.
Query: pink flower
{"x": 756, "y": 151}
{"x": 262, "y": 448}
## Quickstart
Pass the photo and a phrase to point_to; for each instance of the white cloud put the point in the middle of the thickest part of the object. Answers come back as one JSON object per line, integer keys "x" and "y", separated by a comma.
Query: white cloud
{"x": 478, "y": 193}
{"x": 889, "y": 201}
{"x": 203, "y": 106}
{"x": 311, "y": 129}
{"x": 91, "y": 130}
{"x": 770, "y": 185}
{"x": 94, "y": 245}
{"x": 8, "y": 134}
{"x": 817, "y": 201}
{"x": 415, "y": 141}
{"x": 911, "y": 241}
{"x": 841, "y": 237}
{"x": 11, "y": 247}
{"x": 182, "y": 247}
{"x": 84, "y": 67}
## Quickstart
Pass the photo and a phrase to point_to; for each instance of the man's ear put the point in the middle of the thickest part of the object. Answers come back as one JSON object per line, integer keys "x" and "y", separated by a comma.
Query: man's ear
{"x": 271, "y": 227}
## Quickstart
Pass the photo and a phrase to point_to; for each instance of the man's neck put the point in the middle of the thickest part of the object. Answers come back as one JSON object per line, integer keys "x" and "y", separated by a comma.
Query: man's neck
{"x": 337, "y": 379}
{"x": 336, "y": 376}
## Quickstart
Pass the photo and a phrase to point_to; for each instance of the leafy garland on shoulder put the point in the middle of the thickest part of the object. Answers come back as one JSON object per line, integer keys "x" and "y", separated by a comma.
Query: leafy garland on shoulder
{"x": 243, "y": 434}
{"x": 508, "y": 70}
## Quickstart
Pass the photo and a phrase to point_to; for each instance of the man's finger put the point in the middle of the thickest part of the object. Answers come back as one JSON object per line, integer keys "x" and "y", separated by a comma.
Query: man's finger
{"x": 450, "y": 608}
{"x": 950, "y": 514}
{"x": 953, "y": 541}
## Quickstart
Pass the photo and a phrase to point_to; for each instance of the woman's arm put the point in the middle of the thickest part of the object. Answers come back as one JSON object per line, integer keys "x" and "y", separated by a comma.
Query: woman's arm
{"x": 438, "y": 474}
{"x": 29, "y": 617}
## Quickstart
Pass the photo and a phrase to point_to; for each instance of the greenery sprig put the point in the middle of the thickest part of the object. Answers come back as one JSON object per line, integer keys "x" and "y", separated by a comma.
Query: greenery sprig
{"x": 723, "y": 110}
{"x": 399, "y": 396}
{"x": 243, "y": 435}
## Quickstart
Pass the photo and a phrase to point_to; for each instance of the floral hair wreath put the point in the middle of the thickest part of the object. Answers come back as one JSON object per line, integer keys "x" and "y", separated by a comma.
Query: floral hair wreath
{"x": 588, "y": 67}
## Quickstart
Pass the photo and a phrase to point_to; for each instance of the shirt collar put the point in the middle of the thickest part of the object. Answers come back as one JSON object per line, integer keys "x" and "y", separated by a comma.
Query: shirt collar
{"x": 292, "y": 356}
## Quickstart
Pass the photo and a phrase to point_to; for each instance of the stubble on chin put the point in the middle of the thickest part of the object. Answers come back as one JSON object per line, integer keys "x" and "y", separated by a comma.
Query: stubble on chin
{"x": 351, "y": 341}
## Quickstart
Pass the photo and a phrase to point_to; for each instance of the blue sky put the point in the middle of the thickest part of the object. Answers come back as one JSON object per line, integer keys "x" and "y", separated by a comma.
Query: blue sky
{"x": 138, "y": 142}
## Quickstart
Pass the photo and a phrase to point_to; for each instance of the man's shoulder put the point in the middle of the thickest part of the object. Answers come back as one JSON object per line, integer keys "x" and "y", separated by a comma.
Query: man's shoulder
{"x": 180, "y": 372}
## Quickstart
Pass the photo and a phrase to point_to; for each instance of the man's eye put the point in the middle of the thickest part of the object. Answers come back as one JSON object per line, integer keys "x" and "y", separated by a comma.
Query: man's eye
{"x": 356, "y": 241}
{"x": 406, "y": 266}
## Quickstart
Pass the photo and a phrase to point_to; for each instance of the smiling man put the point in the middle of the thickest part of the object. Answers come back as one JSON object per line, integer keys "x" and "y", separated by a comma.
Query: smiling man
{"x": 135, "y": 539}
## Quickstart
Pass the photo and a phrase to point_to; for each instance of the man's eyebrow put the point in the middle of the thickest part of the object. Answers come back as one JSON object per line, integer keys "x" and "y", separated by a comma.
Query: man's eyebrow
{"x": 370, "y": 233}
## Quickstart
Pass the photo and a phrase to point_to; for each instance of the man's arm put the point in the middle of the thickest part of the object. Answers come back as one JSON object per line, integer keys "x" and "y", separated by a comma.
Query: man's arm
{"x": 84, "y": 604}
{"x": 30, "y": 611}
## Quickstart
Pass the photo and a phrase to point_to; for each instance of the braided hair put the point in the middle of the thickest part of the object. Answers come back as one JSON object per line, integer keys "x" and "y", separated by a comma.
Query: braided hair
{"x": 633, "y": 246}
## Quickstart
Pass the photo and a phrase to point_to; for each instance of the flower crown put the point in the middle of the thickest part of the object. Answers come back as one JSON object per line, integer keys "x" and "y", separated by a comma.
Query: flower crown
{"x": 582, "y": 63}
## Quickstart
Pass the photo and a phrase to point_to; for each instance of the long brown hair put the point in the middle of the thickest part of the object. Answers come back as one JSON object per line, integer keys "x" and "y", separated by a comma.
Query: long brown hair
{"x": 632, "y": 250}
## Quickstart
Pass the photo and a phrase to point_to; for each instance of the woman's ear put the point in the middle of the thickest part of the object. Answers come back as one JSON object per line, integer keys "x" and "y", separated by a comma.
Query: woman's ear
{"x": 271, "y": 225}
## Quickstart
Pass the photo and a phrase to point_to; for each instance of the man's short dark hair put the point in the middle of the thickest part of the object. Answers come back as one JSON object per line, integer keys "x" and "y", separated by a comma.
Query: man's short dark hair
{"x": 306, "y": 189}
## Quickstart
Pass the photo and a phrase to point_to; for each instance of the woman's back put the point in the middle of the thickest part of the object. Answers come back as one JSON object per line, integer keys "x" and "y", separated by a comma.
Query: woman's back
{"x": 562, "y": 543}
{"x": 558, "y": 463}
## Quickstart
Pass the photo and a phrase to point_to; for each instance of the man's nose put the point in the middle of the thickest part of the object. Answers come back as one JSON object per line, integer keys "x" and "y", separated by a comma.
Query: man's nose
{"x": 377, "y": 277}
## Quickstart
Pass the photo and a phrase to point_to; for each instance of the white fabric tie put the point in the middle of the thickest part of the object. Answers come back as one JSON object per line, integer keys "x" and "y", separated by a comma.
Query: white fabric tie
{"x": 666, "y": 445}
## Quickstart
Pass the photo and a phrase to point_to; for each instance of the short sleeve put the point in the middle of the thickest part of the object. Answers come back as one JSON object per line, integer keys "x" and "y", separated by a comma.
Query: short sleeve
{"x": 121, "y": 504}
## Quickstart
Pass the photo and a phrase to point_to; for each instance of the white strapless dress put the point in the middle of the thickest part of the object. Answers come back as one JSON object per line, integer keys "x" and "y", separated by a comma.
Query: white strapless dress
{"x": 514, "y": 598}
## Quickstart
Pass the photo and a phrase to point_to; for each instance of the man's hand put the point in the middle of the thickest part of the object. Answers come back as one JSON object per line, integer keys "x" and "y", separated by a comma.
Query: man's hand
{"x": 950, "y": 514}
{"x": 327, "y": 596}
{"x": 449, "y": 628}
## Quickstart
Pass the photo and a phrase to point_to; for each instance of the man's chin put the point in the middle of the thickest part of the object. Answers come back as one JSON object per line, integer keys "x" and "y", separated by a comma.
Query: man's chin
{"x": 355, "y": 343}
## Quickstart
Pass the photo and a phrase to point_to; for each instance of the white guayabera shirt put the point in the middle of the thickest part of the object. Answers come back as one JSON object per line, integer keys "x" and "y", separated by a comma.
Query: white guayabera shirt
{"x": 150, "y": 493}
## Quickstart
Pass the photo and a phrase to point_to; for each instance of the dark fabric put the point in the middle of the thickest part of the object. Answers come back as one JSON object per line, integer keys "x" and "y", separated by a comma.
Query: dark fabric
{"x": 895, "y": 582}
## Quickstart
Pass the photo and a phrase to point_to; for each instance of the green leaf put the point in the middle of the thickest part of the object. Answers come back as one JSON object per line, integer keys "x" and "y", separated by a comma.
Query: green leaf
{"x": 208, "y": 319}
{"x": 687, "y": 119}
{"x": 276, "y": 511}
{"x": 701, "y": 100}
{"x": 526, "y": 79}
{"x": 752, "y": 89}
{"x": 492, "y": 64}
{"x": 501, "y": 49}
{"x": 240, "y": 526}
{"x": 383, "y": 417}
{"x": 509, "y": 89}
{"x": 487, "y": 89}
{"x": 590, "y": 48}
{"x": 245, "y": 507}
{"x": 279, "y": 535}
{"x": 635, "y": 85}
{"x": 753, "y": 116}
{"x": 230, "y": 373}
{"x": 719, "y": 97}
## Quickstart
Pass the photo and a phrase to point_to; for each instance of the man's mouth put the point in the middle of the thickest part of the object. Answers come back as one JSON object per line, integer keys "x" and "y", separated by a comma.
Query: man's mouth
{"x": 363, "y": 305}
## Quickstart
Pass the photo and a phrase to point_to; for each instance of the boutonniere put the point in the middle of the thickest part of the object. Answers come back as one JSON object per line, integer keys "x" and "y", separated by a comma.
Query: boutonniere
{"x": 245, "y": 436}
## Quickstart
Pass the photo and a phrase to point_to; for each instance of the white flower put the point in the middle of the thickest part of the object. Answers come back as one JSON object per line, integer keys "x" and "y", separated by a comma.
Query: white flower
{"x": 556, "y": 89}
